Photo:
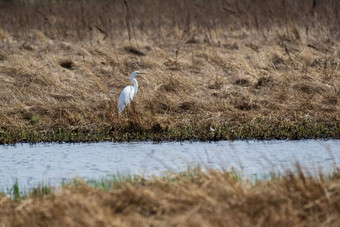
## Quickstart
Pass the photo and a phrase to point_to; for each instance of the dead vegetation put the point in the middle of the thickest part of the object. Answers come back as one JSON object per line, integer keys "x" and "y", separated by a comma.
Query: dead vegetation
{"x": 193, "y": 198}
{"x": 63, "y": 65}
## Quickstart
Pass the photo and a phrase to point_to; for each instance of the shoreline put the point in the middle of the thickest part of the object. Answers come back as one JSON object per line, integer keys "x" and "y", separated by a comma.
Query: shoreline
{"x": 304, "y": 130}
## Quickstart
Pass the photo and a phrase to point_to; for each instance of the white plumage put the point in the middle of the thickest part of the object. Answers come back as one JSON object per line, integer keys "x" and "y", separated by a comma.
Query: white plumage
{"x": 128, "y": 92}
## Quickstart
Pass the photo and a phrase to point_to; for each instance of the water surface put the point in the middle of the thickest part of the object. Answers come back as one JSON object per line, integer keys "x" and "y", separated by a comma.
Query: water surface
{"x": 50, "y": 163}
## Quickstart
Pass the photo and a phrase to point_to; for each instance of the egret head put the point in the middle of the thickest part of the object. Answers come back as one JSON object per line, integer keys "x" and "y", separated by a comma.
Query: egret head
{"x": 136, "y": 73}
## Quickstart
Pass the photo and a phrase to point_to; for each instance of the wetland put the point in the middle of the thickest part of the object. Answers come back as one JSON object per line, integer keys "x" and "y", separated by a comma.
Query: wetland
{"x": 222, "y": 76}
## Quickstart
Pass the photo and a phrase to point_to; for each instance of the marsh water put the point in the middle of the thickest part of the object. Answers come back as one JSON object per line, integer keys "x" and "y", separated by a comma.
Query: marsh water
{"x": 51, "y": 163}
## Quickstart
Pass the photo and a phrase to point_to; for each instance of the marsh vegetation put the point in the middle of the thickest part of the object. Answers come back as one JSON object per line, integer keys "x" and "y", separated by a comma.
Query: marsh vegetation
{"x": 215, "y": 70}
{"x": 222, "y": 70}
{"x": 191, "y": 198}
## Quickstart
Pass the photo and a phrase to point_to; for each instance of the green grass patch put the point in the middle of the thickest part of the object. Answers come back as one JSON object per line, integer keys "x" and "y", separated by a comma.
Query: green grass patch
{"x": 194, "y": 132}
{"x": 191, "y": 175}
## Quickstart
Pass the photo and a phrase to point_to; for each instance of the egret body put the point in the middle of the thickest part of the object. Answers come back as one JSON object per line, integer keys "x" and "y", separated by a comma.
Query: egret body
{"x": 128, "y": 92}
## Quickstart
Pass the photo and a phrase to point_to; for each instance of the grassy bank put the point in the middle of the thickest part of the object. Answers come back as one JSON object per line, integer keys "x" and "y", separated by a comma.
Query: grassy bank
{"x": 194, "y": 197}
{"x": 208, "y": 132}
{"x": 222, "y": 70}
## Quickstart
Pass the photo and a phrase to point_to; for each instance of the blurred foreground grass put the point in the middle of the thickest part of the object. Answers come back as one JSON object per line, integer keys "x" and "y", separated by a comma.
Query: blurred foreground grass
{"x": 193, "y": 197}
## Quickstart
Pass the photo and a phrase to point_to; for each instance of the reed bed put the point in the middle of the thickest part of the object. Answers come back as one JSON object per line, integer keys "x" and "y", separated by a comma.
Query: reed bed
{"x": 264, "y": 70}
{"x": 192, "y": 198}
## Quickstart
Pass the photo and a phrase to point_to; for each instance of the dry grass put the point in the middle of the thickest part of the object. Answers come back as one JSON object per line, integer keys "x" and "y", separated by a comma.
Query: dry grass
{"x": 191, "y": 199}
{"x": 63, "y": 65}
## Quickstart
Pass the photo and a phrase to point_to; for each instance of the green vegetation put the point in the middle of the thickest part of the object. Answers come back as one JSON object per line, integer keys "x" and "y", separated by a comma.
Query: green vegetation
{"x": 262, "y": 131}
{"x": 16, "y": 191}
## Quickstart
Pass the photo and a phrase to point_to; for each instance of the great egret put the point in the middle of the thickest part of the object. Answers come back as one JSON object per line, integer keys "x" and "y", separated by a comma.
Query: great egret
{"x": 128, "y": 92}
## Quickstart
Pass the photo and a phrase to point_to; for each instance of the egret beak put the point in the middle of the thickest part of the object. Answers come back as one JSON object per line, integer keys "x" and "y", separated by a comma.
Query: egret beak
{"x": 141, "y": 73}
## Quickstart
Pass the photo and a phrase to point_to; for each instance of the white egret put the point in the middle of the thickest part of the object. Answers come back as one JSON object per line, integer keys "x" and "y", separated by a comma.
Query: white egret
{"x": 128, "y": 92}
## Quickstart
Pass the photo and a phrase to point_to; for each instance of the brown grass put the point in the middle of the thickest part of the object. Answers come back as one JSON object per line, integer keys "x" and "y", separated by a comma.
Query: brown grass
{"x": 191, "y": 199}
{"x": 63, "y": 65}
